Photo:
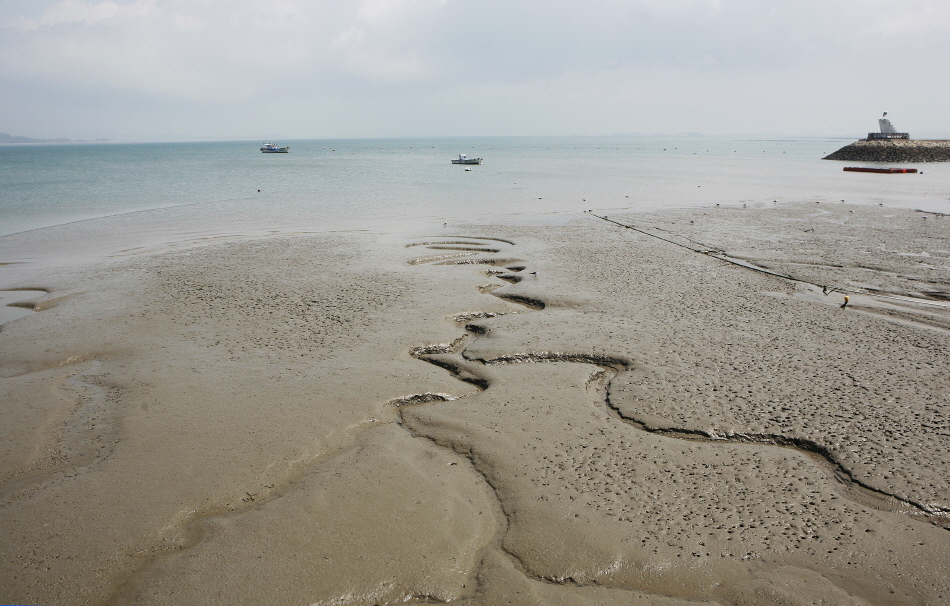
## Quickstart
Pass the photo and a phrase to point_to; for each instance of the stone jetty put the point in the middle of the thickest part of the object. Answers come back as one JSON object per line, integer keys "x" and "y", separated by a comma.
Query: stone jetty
{"x": 894, "y": 150}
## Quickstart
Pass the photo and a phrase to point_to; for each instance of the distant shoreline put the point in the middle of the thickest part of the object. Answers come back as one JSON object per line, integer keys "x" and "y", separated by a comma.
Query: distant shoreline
{"x": 6, "y": 139}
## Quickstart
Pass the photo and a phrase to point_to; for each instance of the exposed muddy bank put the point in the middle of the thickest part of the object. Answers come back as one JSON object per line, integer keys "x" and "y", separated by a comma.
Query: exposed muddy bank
{"x": 588, "y": 414}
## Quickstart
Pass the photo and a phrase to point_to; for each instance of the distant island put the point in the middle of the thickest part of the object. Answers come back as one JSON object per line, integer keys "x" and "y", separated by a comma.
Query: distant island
{"x": 5, "y": 138}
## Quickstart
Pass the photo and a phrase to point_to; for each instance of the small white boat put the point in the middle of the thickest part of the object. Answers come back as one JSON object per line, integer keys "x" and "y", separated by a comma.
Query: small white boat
{"x": 270, "y": 147}
{"x": 463, "y": 159}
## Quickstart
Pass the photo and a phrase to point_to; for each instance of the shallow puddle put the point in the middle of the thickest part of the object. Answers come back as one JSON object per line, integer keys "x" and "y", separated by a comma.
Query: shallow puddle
{"x": 13, "y": 304}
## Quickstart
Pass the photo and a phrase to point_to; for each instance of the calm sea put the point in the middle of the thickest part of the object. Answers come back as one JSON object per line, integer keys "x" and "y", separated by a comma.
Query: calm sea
{"x": 74, "y": 200}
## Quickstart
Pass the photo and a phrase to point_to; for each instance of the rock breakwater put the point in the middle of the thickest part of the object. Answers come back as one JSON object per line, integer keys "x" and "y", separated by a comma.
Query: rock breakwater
{"x": 894, "y": 150}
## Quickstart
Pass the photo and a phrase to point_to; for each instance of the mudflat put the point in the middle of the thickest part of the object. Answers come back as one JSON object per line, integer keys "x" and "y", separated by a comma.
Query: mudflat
{"x": 640, "y": 408}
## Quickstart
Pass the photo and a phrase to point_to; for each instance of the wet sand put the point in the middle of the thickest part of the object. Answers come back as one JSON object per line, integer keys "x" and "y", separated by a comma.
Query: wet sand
{"x": 614, "y": 411}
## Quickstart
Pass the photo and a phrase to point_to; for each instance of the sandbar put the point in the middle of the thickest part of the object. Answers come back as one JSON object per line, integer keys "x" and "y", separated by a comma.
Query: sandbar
{"x": 675, "y": 407}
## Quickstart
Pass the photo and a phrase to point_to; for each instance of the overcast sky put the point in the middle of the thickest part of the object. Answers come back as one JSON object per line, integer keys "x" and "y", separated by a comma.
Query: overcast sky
{"x": 240, "y": 69}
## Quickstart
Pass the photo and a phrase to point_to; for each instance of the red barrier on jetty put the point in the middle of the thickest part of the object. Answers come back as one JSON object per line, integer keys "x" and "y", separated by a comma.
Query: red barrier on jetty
{"x": 861, "y": 169}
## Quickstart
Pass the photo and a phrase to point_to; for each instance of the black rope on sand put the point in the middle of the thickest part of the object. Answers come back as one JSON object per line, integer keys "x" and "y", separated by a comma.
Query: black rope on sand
{"x": 715, "y": 253}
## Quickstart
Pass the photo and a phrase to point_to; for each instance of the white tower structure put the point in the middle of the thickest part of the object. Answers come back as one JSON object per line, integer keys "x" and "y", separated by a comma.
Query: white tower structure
{"x": 887, "y": 130}
{"x": 886, "y": 126}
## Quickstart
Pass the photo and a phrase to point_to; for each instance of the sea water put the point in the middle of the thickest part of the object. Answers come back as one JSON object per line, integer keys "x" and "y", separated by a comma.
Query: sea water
{"x": 67, "y": 201}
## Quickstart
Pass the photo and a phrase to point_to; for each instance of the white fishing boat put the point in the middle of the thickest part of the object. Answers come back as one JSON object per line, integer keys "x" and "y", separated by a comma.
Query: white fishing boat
{"x": 463, "y": 159}
{"x": 270, "y": 147}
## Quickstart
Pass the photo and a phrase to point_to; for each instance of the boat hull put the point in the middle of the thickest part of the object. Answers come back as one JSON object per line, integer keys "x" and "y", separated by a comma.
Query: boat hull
{"x": 467, "y": 161}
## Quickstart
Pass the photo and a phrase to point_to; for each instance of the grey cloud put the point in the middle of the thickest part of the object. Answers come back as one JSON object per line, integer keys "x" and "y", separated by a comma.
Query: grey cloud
{"x": 521, "y": 66}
